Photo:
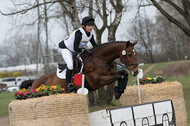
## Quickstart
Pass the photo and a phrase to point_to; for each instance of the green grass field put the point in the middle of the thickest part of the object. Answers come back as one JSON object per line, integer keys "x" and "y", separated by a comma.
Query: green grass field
{"x": 6, "y": 98}
{"x": 185, "y": 81}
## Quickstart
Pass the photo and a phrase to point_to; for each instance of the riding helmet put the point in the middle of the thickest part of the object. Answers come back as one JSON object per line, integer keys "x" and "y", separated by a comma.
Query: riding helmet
{"x": 88, "y": 21}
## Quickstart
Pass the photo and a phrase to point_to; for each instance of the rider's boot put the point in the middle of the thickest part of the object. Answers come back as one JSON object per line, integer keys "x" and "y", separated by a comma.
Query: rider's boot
{"x": 69, "y": 84}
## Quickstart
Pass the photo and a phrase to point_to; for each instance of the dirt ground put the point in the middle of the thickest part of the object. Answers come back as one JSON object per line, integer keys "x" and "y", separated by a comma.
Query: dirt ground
{"x": 4, "y": 121}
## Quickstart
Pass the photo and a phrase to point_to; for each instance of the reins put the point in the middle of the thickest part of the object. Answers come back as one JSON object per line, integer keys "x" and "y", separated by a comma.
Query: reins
{"x": 97, "y": 66}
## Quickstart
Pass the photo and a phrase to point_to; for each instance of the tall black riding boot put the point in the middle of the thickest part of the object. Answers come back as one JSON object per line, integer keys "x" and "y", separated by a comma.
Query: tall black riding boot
{"x": 69, "y": 84}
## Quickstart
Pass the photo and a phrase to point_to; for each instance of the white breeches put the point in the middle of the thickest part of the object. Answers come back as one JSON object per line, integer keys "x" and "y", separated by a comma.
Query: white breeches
{"x": 68, "y": 58}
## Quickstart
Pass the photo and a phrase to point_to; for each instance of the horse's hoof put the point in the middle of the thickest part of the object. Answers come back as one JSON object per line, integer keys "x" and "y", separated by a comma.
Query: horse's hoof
{"x": 117, "y": 95}
{"x": 70, "y": 88}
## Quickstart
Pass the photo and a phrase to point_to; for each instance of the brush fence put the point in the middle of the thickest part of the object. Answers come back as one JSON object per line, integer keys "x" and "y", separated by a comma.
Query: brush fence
{"x": 55, "y": 110}
{"x": 158, "y": 92}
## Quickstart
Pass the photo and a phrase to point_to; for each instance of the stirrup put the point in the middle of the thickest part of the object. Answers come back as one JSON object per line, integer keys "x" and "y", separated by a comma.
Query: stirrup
{"x": 70, "y": 84}
{"x": 70, "y": 88}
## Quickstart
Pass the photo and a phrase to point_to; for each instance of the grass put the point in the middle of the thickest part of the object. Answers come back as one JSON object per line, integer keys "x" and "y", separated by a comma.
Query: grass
{"x": 114, "y": 103}
{"x": 185, "y": 81}
{"x": 5, "y": 99}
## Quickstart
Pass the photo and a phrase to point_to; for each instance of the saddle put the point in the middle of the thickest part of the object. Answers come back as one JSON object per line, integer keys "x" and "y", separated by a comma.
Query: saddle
{"x": 77, "y": 63}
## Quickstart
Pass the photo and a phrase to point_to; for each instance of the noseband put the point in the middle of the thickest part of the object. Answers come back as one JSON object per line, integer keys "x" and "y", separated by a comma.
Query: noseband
{"x": 126, "y": 60}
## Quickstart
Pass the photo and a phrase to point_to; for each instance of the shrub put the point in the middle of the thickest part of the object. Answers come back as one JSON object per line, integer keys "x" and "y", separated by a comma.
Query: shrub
{"x": 10, "y": 74}
{"x": 176, "y": 69}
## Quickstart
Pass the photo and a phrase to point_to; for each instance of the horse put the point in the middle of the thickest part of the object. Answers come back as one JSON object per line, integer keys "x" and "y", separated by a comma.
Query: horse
{"x": 99, "y": 67}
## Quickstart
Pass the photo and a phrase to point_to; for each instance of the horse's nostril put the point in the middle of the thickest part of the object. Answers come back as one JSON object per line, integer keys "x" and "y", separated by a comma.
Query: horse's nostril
{"x": 136, "y": 72}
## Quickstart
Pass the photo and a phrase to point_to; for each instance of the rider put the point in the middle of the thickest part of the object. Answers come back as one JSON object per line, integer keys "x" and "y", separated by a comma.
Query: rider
{"x": 76, "y": 43}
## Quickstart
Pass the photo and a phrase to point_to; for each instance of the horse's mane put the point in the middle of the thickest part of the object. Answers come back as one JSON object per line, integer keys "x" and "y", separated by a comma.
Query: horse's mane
{"x": 111, "y": 43}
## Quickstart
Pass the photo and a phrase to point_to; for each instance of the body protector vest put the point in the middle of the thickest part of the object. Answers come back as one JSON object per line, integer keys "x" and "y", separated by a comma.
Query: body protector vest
{"x": 69, "y": 41}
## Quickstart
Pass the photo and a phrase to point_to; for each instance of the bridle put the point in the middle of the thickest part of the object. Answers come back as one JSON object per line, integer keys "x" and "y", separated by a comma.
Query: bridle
{"x": 126, "y": 60}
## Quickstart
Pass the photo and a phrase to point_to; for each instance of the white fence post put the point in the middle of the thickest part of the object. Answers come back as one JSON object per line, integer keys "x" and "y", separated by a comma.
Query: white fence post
{"x": 139, "y": 76}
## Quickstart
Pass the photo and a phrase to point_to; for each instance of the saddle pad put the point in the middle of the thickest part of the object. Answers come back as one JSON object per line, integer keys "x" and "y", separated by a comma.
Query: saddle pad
{"x": 61, "y": 75}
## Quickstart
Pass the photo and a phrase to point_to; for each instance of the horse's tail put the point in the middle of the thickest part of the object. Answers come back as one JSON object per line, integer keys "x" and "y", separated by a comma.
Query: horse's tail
{"x": 39, "y": 82}
{"x": 26, "y": 84}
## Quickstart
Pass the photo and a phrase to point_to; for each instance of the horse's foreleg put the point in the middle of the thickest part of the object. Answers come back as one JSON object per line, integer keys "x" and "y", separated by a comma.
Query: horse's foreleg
{"x": 122, "y": 73}
{"x": 106, "y": 80}
{"x": 122, "y": 83}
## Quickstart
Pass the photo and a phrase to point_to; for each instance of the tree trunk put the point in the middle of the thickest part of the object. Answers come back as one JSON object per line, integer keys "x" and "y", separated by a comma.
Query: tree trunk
{"x": 101, "y": 95}
{"x": 92, "y": 98}
{"x": 38, "y": 40}
{"x": 110, "y": 88}
{"x": 108, "y": 95}
{"x": 47, "y": 48}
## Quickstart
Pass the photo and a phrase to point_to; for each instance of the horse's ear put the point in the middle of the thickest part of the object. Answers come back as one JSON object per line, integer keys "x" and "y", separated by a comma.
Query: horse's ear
{"x": 127, "y": 44}
{"x": 134, "y": 43}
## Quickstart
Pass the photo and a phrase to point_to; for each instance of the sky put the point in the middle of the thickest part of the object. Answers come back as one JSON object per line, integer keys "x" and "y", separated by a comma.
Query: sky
{"x": 4, "y": 22}
{"x": 57, "y": 33}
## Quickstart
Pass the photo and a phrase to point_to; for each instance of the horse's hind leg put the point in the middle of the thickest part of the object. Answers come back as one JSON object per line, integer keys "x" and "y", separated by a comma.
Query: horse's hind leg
{"x": 39, "y": 82}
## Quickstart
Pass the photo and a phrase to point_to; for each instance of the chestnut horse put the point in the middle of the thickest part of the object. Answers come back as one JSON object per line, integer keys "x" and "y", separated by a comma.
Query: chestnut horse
{"x": 99, "y": 67}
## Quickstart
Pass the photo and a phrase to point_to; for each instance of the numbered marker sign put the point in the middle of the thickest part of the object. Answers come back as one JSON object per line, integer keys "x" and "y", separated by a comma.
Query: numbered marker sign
{"x": 140, "y": 74}
{"x": 79, "y": 80}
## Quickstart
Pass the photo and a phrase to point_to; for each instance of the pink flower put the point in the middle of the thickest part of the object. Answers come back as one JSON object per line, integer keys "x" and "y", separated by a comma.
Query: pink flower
{"x": 18, "y": 93}
{"x": 26, "y": 93}
{"x": 32, "y": 90}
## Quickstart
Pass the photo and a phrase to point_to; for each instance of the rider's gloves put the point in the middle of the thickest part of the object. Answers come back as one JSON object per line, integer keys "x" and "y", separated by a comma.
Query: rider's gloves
{"x": 88, "y": 52}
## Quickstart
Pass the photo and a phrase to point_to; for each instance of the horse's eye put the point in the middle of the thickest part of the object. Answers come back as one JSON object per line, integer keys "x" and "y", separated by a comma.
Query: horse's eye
{"x": 129, "y": 55}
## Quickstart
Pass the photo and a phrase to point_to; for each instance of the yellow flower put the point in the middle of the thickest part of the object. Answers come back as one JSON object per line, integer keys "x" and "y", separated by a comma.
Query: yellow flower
{"x": 37, "y": 89}
{"x": 42, "y": 87}
{"x": 23, "y": 89}
{"x": 19, "y": 90}
{"x": 149, "y": 78}
{"x": 63, "y": 89}
{"x": 53, "y": 88}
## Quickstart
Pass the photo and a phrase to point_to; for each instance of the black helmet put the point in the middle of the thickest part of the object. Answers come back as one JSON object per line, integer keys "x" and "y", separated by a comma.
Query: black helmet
{"x": 88, "y": 20}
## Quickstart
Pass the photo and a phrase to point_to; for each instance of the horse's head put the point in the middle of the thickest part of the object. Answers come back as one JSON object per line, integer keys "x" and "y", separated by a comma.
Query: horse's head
{"x": 129, "y": 57}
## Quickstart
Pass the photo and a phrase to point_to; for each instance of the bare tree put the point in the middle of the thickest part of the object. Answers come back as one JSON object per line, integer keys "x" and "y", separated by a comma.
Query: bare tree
{"x": 104, "y": 11}
{"x": 46, "y": 61}
{"x": 38, "y": 39}
{"x": 20, "y": 50}
{"x": 174, "y": 43}
{"x": 184, "y": 11}
{"x": 143, "y": 31}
